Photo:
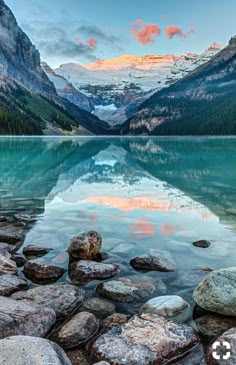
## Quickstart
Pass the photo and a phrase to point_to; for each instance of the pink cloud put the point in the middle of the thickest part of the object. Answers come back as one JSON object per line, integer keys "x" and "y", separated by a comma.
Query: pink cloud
{"x": 172, "y": 31}
{"x": 191, "y": 32}
{"x": 92, "y": 43}
{"x": 78, "y": 41}
{"x": 145, "y": 34}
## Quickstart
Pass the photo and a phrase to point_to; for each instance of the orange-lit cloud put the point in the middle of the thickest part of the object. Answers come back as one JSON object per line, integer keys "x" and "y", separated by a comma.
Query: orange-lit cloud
{"x": 173, "y": 31}
{"x": 166, "y": 229}
{"x": 145, "y": 34}
{"x": 92, "y": 43}
{"x": 142, "y": 227}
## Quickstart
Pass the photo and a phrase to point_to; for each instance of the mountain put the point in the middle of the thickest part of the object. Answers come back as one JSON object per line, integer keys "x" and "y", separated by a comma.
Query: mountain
{"x": 118, "y": 86}
{"x": 203, "y": 102}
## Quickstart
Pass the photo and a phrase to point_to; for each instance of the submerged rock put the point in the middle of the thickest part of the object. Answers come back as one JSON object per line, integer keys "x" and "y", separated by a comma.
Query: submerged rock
{"x": 7, "y": 266}
{"x": 152, "y": 263}
{"x": 42, "y": 274}
{"x": 19, "y": 259}
{"x": 99, "y": 307}
{"x": 169, "y": 306}
{"x": 78, "y": 330}
{"x": 10, "y": 238}
{"x": 25, "y": 350}
{"x": 35, "y": 251}
{"x": 145, "y": 340}
{"x": 228, "y": 338}
{"x": 214, "y": 325}
{"x": 83, "y": 271}
{"x": 64, "y": 299}
{"x": 202, "y": 244}
{"x": 19, "y": 318}
{"x": 85, "y": 246}
{"x": 217, "y": 292}
{"x": 10, "y": 284}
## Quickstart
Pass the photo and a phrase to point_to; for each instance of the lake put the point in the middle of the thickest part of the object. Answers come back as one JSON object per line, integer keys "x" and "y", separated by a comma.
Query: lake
{"x": 143, "y": 195}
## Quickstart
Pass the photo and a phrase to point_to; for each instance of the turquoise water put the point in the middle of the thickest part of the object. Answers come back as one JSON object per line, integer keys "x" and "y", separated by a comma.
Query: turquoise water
{"x": 144, "y": 195}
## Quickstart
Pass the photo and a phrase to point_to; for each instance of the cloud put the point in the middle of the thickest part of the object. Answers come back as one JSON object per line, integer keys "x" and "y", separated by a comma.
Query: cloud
{"x": 191, "y": 32}
{"x": 92, "y": 43}
{"x": 173, "y": 31}
{"x": 145, "y": 34}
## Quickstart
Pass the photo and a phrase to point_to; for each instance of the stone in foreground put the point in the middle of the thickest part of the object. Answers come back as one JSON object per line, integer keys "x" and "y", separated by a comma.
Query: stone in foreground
{"x": 7, "y": 266}
{"x": 214, "y": 325}
{"x": 202, "y": 244}
{"x": 19, "y": 318}
{"x": 217, "y": 292}
{"x": 10, "y": 284}
{"x": 85, "y": 246}
{"x": 19, "y": 259}
{"x": 35, "y": 251}
{"x": 10, "y": 238}
{"x": 152, "y": 263}
{"x": 78, "y": 330}
{"x": 85, "y": 271}
{"x": 99, "y": 307}
{"x": 228, "y": 337}
{"x": 64, "y": 299}
{"x": 25, "y": 350}
{"x": 168, "y": 306}
{"x": 145, "y": 340}
{"x": 42, "y": 274}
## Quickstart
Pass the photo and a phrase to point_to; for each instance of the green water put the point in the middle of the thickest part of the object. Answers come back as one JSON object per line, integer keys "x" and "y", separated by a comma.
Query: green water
{"x": 144, "y": 195}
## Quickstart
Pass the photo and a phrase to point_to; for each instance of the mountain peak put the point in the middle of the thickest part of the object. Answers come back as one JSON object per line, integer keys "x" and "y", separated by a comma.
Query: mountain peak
{"x": 232, "y": 40}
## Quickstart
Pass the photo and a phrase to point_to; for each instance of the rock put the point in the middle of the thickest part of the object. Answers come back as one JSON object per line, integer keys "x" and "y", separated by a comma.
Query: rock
{"x": 146, "y": 339}
{"x": 217, "y": 292}
{"x": 102, "y": 256}
{"x": 194, "y": 357}
{"x": 190, "y": 279}
{"x": 19, "y": 318}
{"x": 78, "y": 330}
{"x": 85, "y": 246}
{"x": 19, "y": 259}
{"x": 7, "y": 266}
{"x": 25, "y": 350}
{"x": 78, "y": 357}
{"x": 202, "y": 244}
{"x": 115, "y": 319}
{"x": 152, "y": 263}
{"x": 3, "y": 219}
{"x": 26, "y": 218}
{"x": 230, "y": 338}
{"x": 35, "y": 251}
{"x": 10, "y": 238}
{"x": 42, "y": 274}
{"x": 169, "y": 306}
{"x": 129, "y": 289}
{"x": 214, "y": 325}
{"x": 10, "y": 284}
{"x": 64, "y": 299}
{"x": 102, "y": 363}
{"x": 83, "y": 271}
{"x": 5, "y": 248}
{"x": 99, "y": 307}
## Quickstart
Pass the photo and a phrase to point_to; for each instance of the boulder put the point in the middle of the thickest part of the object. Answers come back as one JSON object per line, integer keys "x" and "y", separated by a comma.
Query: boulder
{"x": 84, "y": 271}
{"x": 202, "y": 244}
{"x": 217, "y": 292}
{"x": 99, "y": 307}
{"x": 19, "y": 259}
{"x": 19, "y": 318}
{"x": 7, "y": 266}
{"x": 145, "y": 340}
{"x": 229, "y": 338}
{"x": 9, "y": 238}
{"x": 64, "y": 299}
{"x": 32, "y": 251}
{"x": 168, "y": 306}
{"x": 42, "y": 274}
{"x": 152, "y": 263}
{"x": 78, "y": 330}
{"x": 85, "y": 246}
{"x": 214, "y": 325}
{"x": 10, "y": 284}
{"x": 25, "y": 350}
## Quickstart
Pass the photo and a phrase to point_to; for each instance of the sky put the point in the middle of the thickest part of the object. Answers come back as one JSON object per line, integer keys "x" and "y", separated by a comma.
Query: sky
{"x": 84, "y": 31}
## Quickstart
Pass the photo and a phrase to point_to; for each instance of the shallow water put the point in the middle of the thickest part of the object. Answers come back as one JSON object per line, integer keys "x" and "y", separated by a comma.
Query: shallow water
{"x": 144, "y": 195}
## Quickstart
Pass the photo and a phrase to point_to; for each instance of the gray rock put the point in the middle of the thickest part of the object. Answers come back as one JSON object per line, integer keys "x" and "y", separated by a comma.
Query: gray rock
{"x": 19, "y": 259}
{"x": 78, "y": 330}
{"x": 64, "y": 299}
{"x": 84, "y": 271}
{"x": 19, "y": 318}
{"x": 99, "y": 307}
{"x": 10, "y": 284}
{"x": 202, "y": 244}
{"x": 217, "y": 292}
{"x": 85, "y": 246}
{"x": 35, "y": 251}
{"x": 102, "y": 363}
{"x": 7, "y": 266}
{"x": 168, "y": 306}
{"x": 42, "y": 274}
{"x": 25, "y": 350}
{"x": 6, "y": 249}
{"x": 145, "y": 340}
{"x": 229, "y": 337}
{"x": 152, "y": 263}
{"x": 214, "y": 325}
{"x": 10, "y": 238}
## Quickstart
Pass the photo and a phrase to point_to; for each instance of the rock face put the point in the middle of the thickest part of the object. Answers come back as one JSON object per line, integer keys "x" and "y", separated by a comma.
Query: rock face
{"x": 217, "y": 292}
{"x": 230, "y": 338}
{"x": 152, "y": 263}
{"x": 64, "y": 299}
{"x": 10, "y": 284}
{"x": 99, "y": 307}
{"x": 147, "y": 339}
{"x": 202, "y": 244}
{"x": 85, "y": 246}
{"x": 42, "y": 274}
{"x": 127, "y": 290}
{"x": 7, "y": 266}
{"x": 78, "y": 330}
{"x": 19, "y": 318}
{"x": 83, "y": 271}
{"x": 9, "y": 238}
{"x": 22, "y": 350}
{"x": 213, "y": 325}
{"x": 169, "y": 306}
{"x": 35, "y": 251}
